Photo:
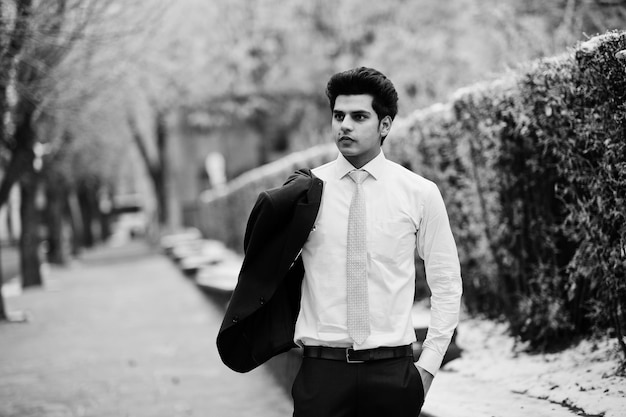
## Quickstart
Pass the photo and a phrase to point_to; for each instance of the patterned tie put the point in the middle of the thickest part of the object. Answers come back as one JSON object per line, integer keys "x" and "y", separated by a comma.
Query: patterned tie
{"x": 357, "y": 298}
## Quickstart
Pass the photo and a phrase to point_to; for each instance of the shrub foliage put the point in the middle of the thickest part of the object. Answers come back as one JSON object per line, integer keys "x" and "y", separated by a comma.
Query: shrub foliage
{"x": 533, "y": 168}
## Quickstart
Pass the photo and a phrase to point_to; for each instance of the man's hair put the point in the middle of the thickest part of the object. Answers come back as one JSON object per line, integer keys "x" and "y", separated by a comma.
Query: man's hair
{"x": 364, "y": 80}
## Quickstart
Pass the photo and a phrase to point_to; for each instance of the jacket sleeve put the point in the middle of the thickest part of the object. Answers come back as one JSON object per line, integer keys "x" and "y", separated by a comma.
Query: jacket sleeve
{"x": 244, "y": 328}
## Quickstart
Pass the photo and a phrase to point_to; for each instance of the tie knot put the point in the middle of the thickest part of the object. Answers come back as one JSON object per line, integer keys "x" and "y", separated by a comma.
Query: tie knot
{"x": 358, "y": 175}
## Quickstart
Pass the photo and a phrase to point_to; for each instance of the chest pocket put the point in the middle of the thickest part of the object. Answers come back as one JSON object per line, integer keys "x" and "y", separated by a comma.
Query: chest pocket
{"x": 391, "y": 239}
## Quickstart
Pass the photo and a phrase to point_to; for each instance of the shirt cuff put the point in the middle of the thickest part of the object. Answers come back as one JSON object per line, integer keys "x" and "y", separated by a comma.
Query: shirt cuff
{"x": 430, "y": 361}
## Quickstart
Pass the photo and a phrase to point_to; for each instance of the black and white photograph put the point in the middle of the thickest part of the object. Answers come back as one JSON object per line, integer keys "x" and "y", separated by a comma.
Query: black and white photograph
{"x": 312, "y": 208}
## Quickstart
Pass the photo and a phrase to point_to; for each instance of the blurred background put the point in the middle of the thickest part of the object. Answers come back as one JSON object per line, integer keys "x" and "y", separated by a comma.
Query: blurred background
{"x": 116, "y": 115}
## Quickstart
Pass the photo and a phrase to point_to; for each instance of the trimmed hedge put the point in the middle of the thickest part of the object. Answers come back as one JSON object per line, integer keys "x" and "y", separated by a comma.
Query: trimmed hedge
{"x": 533, "y": 168}
{"x": 533, "y": 171}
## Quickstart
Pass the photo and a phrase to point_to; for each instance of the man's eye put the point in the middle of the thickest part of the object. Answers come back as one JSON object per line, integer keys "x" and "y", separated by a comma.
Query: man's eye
{"x": 338, "y": 116}
{"x": 360, "y": 117}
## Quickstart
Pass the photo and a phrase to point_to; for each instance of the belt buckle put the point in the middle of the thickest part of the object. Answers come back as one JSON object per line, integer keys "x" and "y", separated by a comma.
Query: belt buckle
{"x": 348, "y": 360}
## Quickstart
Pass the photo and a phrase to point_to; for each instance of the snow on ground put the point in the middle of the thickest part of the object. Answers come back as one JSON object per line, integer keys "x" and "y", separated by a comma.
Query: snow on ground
{"x": 578, "y": 381}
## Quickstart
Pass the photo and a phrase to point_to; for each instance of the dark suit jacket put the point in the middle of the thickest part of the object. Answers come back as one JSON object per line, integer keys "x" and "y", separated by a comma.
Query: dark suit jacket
{"x": 261, "y": 316}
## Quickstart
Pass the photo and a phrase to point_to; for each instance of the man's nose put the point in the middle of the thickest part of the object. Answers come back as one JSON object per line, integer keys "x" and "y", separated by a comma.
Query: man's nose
{"x": 346, "y": 124}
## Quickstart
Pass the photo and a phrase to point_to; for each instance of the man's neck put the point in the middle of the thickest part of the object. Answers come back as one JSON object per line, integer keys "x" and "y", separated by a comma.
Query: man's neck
{"x": 359, "y": 162}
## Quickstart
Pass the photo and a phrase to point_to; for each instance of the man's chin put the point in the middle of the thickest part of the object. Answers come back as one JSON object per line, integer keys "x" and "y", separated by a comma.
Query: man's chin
{"x": 347, "y": 152}
{"x": 346, "y": 145}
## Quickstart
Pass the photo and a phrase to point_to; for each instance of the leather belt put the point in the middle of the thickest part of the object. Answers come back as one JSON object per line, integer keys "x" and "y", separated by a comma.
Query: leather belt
{"x": 350, "y": 355}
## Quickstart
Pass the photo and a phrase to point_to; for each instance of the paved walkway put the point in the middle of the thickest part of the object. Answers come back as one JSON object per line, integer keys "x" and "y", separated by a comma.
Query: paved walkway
{"x": 123, "y": 333}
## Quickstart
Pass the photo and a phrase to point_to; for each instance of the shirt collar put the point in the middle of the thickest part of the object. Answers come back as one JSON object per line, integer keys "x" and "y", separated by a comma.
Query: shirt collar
{"x": 375, "y": 167}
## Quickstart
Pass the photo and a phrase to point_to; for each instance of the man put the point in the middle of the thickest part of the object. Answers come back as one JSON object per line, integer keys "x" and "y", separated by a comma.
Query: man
{"x": 333, "y": 253}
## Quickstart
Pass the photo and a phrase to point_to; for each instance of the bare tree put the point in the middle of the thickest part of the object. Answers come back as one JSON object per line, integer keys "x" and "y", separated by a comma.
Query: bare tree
{"x": 13, "y": 35}
{"x": 36, "y": 39}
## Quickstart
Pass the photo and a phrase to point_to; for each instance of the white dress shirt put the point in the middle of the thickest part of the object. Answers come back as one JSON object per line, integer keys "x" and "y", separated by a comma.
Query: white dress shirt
{"x": 405, "y": 212}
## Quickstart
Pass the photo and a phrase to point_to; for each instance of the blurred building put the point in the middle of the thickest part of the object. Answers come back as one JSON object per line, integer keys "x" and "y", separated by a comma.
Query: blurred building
{"x": 233, "y": 135}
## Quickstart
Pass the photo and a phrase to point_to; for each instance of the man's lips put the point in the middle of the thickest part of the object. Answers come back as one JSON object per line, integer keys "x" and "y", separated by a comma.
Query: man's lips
{"x": 346, "y": 139}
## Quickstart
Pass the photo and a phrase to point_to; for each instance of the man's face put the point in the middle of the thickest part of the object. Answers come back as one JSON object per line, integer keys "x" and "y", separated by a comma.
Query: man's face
{"x": 356, "y": 128}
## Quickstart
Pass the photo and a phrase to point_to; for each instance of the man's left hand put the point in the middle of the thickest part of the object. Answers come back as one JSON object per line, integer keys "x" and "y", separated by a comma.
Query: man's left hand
{"x": 427, "y": 378}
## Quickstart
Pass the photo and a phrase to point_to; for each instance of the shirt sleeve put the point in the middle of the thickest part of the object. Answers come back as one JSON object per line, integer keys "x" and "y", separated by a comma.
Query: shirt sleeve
{"x": 436, "y": 246}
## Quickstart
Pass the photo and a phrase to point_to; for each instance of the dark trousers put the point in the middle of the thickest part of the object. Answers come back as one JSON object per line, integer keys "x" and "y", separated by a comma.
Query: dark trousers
{"x": 329, "y": 388}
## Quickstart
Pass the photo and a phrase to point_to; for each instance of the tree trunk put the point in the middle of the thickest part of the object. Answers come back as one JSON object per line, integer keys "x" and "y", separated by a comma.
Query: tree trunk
{"x": 30, "y": 240}
{"x": 10, "y": 225}
{"x": 86, "y": 214}
{"x": 156, "y": 167}
{"x": 56, "y": 197}
{"x": 21, "y": 161}
{"x": 3, "y": 311}
{"x": 105, "y": 226}
{"x": 159, "y": 174}
{"x": 21, "y": 167}
{"x": 76, "y": 223}
{"x": 104, "y": 205}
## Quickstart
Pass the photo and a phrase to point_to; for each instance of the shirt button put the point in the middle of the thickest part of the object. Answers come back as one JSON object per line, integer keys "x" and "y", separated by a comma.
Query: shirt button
{"x": 262, "y": 300}
{"x": 235, "y": 319}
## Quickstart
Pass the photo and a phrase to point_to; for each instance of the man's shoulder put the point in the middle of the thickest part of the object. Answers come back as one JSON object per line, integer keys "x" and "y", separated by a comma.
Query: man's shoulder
{"x": 400, "y": 173}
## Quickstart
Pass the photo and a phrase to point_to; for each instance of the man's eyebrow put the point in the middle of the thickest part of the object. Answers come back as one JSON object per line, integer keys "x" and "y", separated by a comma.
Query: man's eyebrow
{"x": 352, "y": 112}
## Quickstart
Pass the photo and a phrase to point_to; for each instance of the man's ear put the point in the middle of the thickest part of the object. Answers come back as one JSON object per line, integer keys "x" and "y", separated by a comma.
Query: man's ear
{"x": 384, "y": 126}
